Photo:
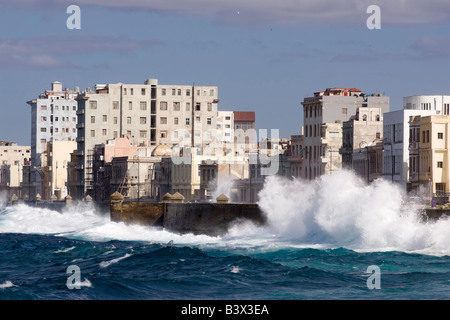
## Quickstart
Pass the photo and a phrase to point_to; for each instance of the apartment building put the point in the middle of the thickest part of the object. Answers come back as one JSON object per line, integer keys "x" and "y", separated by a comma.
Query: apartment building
{"x": 13, "y": 161}
{"x": 396, "y": 135}
{"x": 323, "y": 116}
{"x": 53, "y": 118}
{"x": 363, "y": 129}
{"x": 429, "y": 146}
{"x": 150, "y": 114}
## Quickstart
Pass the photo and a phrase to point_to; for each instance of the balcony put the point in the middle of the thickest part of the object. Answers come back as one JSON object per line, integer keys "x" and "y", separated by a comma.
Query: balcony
{"x": 80, "y": 112}
{"x": 80, "y": 125}
{"x": 80, "y": 139}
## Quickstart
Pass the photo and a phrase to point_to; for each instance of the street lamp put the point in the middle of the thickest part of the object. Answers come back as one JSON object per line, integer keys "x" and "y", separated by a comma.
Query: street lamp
{"x": 389, "y": 142}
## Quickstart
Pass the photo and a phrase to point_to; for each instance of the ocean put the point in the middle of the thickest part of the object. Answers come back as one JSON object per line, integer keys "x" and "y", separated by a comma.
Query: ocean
{"x": 332, "y": 239}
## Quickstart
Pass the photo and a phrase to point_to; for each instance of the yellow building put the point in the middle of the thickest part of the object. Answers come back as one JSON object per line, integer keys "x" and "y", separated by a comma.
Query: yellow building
{"x": 429, "y": 154}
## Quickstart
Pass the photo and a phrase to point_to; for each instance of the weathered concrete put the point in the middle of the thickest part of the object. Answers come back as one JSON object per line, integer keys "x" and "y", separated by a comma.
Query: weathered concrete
{"x": 198, "y": 218}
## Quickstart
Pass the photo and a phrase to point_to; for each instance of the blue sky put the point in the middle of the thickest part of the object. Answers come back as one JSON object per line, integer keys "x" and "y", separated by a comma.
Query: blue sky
{"x": 263, "y": 55}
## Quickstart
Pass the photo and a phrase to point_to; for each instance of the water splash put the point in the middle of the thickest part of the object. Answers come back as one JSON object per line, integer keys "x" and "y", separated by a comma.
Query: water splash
{"x": 338, "y": 210}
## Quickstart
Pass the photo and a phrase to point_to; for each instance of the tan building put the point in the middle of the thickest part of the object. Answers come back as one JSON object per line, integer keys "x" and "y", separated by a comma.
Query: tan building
{"x": 150, "y": 114}
{"x": 429, "y": 155}
{"x": 55, "y": 169}
{"x": 14, "y": 161}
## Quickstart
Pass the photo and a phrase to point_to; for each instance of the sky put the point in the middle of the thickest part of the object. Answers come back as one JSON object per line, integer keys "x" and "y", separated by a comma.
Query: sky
{"x": 264, "y": 56}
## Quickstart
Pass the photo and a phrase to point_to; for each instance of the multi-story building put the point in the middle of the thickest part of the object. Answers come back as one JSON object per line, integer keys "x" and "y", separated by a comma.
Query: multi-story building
{"x": 55, "y": 166}
{"x": 149, "y": 114}
{"x": 438, "y": 103}
{"x": 53, "y": 118}
{"x": 429, "y": 146}
{"x": 295, "y": 156}
{"x": 225, "y": 127}
{"x": 364, "y": 128}
{"x": 396, "y": 131}
{"x": 323, "y": 115}
{"x": 13, "y": 161}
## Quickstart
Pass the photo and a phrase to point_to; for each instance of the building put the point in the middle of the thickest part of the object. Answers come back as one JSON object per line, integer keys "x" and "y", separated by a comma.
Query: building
{"x": 438, "y": 103}
{"x": 324, "y": 114}
{"x": 367, "y": 160}
{"x": 55, "y": 169}
{"x": 150, "y": 114}
{"x": 225, "y": 127}
{"x": 53, "y": 118}
{"x": 361, "y": 130}
{"x": 295, "y": 156}
{"x": 429, "y": 146}
{"x": 396, "y": 136}
{"x": 14, "y": 161}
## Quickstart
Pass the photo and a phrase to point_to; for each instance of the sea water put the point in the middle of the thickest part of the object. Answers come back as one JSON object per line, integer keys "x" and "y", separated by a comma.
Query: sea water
{"x": 321, "y": 241}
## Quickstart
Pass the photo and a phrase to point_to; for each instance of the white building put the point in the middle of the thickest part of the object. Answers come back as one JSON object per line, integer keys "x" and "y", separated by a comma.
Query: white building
{"x": 225, "y": 126}
{"x": 438, "y": 103}
{"x": 150, "y": 114}
{"x": 396, "y": 143}
{"x": 53, "y": 118}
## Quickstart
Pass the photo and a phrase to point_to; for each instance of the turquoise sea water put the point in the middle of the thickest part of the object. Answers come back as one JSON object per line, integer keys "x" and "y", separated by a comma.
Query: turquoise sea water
{"x": 314, "y": 247}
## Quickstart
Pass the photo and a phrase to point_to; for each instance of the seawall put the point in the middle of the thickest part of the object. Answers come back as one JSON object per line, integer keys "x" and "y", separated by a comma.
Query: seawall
{"x": 199, "y": 218}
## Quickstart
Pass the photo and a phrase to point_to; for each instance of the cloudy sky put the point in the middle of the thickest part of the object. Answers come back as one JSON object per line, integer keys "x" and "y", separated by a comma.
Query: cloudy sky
{"x": 263, "y": 55}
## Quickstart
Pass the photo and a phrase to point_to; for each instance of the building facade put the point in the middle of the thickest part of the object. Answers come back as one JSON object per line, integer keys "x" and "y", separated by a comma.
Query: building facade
{"x": 53, "y": 118}
{"x": 150, "y": 114}
{"x": 323, "y": 116}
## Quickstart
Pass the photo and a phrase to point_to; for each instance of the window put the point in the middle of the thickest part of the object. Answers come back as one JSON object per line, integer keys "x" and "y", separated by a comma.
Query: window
{"x": 105, "y": 118}
{"x": 43, "y": 118}
{"x": 115, "y": 120}
{"x": 104, "y": 132}
{"x": 440, "y": 164}
{"x": 143, "y": 91}
{"x": 143, "y": 120}
{"x": 74, "y": 108}
{"x": 197, "y": 106}
{"x": 92, "y": 104}
{"x": 163, "y": 105}
{"x": 175, "y": 120}
{"x": 227, "y": 118}
{"x": 208, "y": 121}
{"x": 344, "y": 110}
{"x": 188, "y": 92}
{"x": 74, "y": 119}
{"x": 143, "y": 134}
{"x": 128, "y": 120}
{"x": 92, "y": 133}
{"x": 440, "y": 135}
{"x": 209, "y": 106}
{"x": 163, "y": 134}
{"x": 115, "y": 105}
{"x": 115, "y": 134}
{"x": 179, "y": 92}
{"x": 188, "y": 121}
{"x": 131, "y": 91}
{"x": 163, "y": 92}
{"x": 143, "y": 105}
{"x": 188, "y": 106}
{"x": 446, "y": 109}
{"x": 211, "y": 92}
{"x": 173, "y": 92}
{"x": 130, "y": 105}
{"x": 163, "y": 120}
{"x": 428, "y": 136}
{"x": 125, "y": 91}
{"x": 176, "y": 106}
{"x": 197, "y": 119}
{"x": 43, "y": 107}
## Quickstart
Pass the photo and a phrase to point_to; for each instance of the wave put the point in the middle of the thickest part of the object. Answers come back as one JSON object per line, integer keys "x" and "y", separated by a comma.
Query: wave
{"x": 333, "y": 211}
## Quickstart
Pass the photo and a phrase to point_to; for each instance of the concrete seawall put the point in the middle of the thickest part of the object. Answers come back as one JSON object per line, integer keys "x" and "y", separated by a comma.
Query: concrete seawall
{"x": 198, "y": 218}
